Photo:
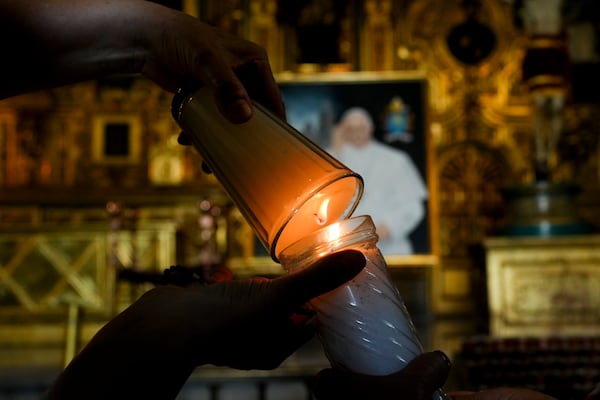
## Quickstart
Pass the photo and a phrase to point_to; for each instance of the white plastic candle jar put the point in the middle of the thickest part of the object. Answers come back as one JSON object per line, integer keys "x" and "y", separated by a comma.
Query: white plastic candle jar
{"x": 364, "y": 325}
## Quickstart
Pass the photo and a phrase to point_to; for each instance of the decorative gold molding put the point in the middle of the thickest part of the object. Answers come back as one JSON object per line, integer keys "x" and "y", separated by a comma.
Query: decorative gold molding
{"x": 377, "y": 52}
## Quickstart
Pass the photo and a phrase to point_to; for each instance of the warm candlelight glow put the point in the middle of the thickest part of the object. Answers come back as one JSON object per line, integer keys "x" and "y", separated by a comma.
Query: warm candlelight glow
{"x": 325, "y": 207}
{"x": 295, "y": 189}
{"x": 333, "y": 232}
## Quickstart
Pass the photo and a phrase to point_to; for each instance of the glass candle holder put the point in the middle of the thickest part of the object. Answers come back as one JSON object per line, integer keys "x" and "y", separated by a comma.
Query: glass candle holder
{"x": 364, "y": 326}
{"x": 285, "y": 185}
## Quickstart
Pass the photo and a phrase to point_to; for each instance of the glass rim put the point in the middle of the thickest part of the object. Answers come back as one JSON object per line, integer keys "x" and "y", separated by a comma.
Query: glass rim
{"x": 353, "y": 203}
{"x": 349, "y": 228}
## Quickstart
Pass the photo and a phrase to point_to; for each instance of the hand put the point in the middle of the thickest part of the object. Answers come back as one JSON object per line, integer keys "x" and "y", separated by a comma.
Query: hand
{"x": 418, "y": 380}
{"x": 151, "y": 348}
{"x": 261, "y": 309}
{"x": 500, "y": 394}
{"x": 185, "y": 52}
{"x": 67, "y": 42}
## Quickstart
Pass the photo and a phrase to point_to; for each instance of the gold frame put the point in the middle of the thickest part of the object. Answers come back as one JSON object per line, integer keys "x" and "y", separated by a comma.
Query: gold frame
{"x": 99, "y": 124}
{"x": 249, "y": 263}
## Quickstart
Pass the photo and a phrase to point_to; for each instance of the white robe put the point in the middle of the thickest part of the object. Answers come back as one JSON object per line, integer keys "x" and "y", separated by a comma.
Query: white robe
{"x": 394, "y": 192}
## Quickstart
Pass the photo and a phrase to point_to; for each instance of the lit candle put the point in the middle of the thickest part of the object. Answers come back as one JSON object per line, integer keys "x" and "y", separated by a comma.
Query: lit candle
{"x": 322, "y": 208}
{"x": 276, "y": 176}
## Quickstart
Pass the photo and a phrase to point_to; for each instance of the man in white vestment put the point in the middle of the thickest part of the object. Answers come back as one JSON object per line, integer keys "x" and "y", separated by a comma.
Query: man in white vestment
{"x": 394, "y": 193}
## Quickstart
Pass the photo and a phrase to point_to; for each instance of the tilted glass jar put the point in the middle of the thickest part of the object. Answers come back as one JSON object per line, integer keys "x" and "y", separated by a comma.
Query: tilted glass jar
{"x": 281, "y": 181}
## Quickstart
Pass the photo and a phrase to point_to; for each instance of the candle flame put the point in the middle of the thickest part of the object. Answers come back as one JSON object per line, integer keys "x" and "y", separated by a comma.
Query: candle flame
{"x": 321, "y": 214}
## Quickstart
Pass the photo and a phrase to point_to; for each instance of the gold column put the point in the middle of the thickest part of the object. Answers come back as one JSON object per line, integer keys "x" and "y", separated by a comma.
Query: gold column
{"x": 377, "y": 50}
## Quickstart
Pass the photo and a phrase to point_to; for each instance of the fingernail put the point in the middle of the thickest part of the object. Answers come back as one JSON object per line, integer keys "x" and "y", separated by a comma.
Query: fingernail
{"x": 444, "y": 357}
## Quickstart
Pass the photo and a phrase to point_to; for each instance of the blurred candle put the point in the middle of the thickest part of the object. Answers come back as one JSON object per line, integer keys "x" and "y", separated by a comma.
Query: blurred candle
{"x": 276, "y": 176}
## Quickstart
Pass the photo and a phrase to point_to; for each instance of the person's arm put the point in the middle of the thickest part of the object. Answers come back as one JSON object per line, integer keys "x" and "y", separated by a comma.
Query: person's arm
{"x": 150, "y": 349}
{"x": 53, "y": 43}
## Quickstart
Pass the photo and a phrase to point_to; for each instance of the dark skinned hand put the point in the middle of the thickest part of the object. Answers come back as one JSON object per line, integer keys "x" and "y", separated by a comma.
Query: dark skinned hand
{"x": 417, "y": 381}
{"x": 150, "y": 349}
{"x": 63, "y": 42}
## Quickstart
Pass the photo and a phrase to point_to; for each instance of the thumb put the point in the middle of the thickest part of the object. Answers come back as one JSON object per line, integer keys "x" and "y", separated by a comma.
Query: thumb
{"x": 323, "y": 276}
{"x": 418, "y": 380}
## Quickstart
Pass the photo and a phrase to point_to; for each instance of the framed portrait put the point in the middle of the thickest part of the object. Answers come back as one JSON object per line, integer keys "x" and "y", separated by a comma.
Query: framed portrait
{"x": 377, "y": 125}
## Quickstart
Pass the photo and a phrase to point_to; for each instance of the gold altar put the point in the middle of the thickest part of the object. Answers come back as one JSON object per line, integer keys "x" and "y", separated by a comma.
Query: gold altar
{"x": 543, "y": 286}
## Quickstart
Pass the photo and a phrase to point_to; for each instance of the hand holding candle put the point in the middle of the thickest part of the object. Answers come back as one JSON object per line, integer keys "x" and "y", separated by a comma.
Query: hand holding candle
{"x": 292, "y": 193}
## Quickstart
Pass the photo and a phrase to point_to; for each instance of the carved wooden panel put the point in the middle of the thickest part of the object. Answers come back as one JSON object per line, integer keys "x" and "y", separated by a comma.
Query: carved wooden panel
{"x": 544, "y": 286}
{"x": 46, "y": 269}
{"x": 41, "y": 271}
